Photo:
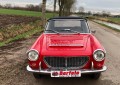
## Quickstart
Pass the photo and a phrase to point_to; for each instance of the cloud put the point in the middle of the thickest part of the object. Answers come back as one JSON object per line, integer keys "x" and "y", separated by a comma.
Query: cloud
{"x": 99, "y": 5}
{"x": 17, "y": 3}
{"x": 92, "y": 5}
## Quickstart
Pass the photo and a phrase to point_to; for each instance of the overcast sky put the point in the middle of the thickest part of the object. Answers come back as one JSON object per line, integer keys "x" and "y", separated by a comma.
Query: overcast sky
{"x": 93, "y": 5}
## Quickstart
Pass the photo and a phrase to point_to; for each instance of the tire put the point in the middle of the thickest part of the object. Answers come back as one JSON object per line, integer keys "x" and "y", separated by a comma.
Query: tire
{"x": 96, "y": 76}
{"x": 36, "y": 75}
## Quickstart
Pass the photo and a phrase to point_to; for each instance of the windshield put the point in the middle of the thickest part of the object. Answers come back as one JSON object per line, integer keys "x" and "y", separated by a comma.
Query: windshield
{"x": 67, "y": 26}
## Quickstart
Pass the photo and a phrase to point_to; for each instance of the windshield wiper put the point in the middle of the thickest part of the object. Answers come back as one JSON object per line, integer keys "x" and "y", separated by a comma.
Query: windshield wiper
{"x": 70, "y": 30}
{"x": 52, "y": 31}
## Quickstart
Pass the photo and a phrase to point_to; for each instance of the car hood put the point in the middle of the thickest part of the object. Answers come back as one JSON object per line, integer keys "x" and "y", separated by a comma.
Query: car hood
{"x": 67, "y": 45}
{"x": 65, "y": 42}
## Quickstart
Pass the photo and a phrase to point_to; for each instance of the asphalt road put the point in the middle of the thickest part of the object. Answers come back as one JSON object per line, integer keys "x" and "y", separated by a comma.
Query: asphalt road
{"x": 13, "y": 63}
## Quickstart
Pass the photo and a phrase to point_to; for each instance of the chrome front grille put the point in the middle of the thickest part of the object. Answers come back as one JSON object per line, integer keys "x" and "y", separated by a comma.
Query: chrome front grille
{"x": 66, "y": 62}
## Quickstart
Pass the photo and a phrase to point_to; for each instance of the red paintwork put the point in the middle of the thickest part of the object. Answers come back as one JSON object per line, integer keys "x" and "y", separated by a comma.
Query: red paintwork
{"x": 66, "y": 45}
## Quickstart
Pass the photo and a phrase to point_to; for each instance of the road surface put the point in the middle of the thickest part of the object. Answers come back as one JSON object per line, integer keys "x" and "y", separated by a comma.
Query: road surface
{"x": 13, "y": 62}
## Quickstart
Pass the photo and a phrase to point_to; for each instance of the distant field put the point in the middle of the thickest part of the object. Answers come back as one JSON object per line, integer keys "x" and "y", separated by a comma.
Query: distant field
{"x": 23, "y": 13}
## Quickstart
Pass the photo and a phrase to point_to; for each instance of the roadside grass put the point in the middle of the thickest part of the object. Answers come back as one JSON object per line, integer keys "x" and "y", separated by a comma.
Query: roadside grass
{"x": 108, "y": 26}
{"x": 107, "y": 19}
{"x": 115, "y": 20}
{"x": 24, "y": 13}
{"x": 25, "y": 34}
{"x": 21, "y": 36}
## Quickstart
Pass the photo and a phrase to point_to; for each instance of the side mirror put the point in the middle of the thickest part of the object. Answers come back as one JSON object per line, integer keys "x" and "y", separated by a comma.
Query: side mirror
{"x": 45, "y": 25}
{"x": 94, "y": 31}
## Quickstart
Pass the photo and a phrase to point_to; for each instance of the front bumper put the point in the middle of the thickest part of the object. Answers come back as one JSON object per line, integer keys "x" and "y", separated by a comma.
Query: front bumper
{"x": 82, "y": 71}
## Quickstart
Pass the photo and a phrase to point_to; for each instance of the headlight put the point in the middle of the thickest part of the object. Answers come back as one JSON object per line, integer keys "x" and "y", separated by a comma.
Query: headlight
{"x": 99, "y": 55}
{"x": 33, "y": 55}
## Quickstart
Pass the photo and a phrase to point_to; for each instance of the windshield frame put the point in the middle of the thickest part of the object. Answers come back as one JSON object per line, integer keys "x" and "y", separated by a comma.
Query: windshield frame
{"x": 49, "y": 21}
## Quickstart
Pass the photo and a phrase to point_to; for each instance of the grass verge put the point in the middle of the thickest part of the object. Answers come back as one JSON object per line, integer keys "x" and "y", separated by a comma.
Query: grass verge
{"x": 114, "y": 20}
{"x": 21, "y": 36}
{"x": 107, "y": 26}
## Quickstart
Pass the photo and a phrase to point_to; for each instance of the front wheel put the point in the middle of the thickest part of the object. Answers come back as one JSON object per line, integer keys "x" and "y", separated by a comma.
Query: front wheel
{"x": 96, "y": 75}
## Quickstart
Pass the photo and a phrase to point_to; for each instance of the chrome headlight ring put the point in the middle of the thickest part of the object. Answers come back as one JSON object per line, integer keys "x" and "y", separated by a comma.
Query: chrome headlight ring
{"x": 99, "y": 55}
{"x": 33, "y": 55}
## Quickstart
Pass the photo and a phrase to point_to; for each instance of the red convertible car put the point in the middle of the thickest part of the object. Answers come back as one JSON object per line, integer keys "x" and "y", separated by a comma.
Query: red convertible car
{"x": 67, "y": 48}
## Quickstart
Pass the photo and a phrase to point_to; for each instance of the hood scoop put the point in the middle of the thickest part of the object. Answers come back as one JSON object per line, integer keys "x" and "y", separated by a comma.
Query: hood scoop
{"x": 65, "y": 42}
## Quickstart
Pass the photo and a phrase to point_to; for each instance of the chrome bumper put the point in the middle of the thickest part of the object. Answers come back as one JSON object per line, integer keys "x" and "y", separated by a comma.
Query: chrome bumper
{"x": 82, "y": 71}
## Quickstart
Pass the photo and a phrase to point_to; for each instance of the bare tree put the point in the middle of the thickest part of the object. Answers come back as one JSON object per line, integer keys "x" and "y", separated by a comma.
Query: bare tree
{"x": 74, "y": 8}
{"x": 68, "y": 6}
{"x": 109, "y": 13}
{"x": 55, "y": 1}
{"x": 65, "y": 7}
{"x": 81, "y": 10}
{"x": 30, "y": 7}
{"x": 105, "y": 14}
{"x": 61, "y": 6}
{"x": 43, "y": 12}
{"x": 8, "y": 6}
{"x": 1, "y": 6}
{"x": 89, "y": 13}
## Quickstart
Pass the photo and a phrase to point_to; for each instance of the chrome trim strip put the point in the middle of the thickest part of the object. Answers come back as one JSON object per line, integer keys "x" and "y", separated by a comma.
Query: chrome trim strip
{"x": 104, "y": 50}
{"x": 100, "y": 50}
{"x": 82, "y": 71}
{"x": 66, "y": 64}
{"x": 92, "y": 65}
{"x": 32, "y": 50}
{"x": 56, "y": 45}
{"x": 40, "y": 65}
